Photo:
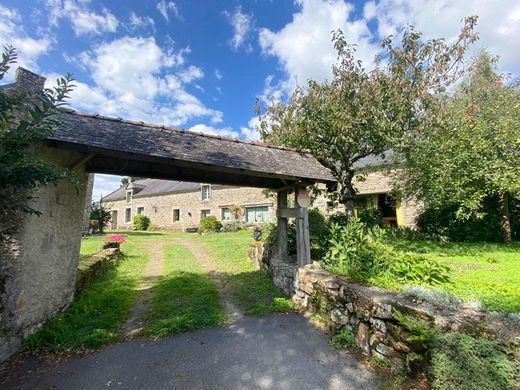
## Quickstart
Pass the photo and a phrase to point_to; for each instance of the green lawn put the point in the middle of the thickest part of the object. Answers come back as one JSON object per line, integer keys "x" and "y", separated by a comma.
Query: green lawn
{"x": 184, "y": 299}
{"x": 253, "y": 289}
{"x": 94, "y": 317}
{"x": 91, "y": 244}
{"x": 484, "y": 272}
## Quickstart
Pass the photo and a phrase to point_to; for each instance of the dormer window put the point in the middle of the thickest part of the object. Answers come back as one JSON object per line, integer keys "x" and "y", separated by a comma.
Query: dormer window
{"x": 204, "y": 192}
{"x": 129, "y": 196}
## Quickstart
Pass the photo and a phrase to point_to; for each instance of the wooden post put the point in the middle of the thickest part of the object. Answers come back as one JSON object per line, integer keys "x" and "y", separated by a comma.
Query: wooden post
{"x": 281, "y": 222}
{"x": 303, "y": 245}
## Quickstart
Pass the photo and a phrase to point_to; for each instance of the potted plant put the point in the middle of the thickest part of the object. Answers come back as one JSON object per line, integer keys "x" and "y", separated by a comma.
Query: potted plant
{"x": 113, "y": 241}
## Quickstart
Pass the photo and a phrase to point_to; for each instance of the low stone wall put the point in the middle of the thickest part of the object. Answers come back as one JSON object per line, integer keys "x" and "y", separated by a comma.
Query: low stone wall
{"x": 283, "y": 273}
{"x": 93, "y": 266}
{"x": 368, "y": 313}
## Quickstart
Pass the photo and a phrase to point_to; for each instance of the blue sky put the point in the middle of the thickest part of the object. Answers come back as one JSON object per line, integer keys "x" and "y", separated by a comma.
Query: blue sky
{"x": 201, "y": 65}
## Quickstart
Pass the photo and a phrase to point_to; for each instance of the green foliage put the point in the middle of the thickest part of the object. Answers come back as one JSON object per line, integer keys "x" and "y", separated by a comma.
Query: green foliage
{"x": 419, "y": 331}
{"x": 442, "y": 221}
{"x": 233, "y": 226}
{"x": 100, "y": 215}
{"x": 370, "y": 216}
{"x": 460, "y": 362}
{"x": 363, "y": 254}
{"x": 344, "y": 339}
{"x": 25, "y": 121}
{"x": 362, "y": 112}
{"x": 210, "y": 225}
{"x": 472, "y": 154}
{"x": 140, "y": 222}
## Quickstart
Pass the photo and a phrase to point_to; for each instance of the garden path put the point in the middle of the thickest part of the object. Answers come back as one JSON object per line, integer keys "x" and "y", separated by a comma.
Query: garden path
{"x": 205, "y": 261}
{"x": 154, "y": 269}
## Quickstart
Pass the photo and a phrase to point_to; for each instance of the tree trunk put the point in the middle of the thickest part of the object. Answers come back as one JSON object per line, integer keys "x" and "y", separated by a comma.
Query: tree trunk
{"x": 505, "y": 223}
{"x": 347, "y": 197}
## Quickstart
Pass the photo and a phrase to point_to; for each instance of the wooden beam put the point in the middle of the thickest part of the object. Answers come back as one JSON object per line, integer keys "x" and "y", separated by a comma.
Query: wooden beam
{"x": 303, "y": 244}
{"x": 281, "y": 203}
{"x": 296, "y": 212}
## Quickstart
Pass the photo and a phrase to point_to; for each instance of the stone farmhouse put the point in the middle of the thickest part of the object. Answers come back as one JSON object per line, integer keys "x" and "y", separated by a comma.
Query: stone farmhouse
{"x": 175, "y": 205}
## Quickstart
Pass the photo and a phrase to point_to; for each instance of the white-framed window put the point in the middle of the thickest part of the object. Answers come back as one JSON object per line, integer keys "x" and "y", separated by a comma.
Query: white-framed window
{"x": 140, "y": 210}
{"x": 204, "y": 192}
{"x": 128, "y": 196}
{"x": 258, "y": 214}
{"x": 205, "y": 213}
{"x": 176, "y": 215}
{"x": 128, "y": 215}
{"x": 225, "y": 214}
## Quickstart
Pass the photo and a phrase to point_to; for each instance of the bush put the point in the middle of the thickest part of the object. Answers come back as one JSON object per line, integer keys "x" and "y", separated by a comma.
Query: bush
{"x": 370, "y": 216}
{"x": 437, "y": 222}
{"x": 344, "y": 339}
{"x": 209, "y": 225}
{"x": 461, "y": 362}
{"x": 99, "y": 217}
{"x": 360, "y": 252}
{"x": 141, "y": 222}
{"x": 233, "y": 226}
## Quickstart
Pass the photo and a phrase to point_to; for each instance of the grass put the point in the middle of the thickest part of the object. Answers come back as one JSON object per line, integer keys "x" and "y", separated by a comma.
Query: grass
{"x": 90, "y": 245}
{"x": 94, "y": 317}
{"x": 184, "y": 299}
{"x": 253, "y": 289}
{"x": 485, "y": 272}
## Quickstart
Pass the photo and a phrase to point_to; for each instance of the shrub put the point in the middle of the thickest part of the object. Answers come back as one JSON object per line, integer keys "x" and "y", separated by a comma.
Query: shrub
{"x": 370, "y": 216}
{"x": 437, "y": 297}
{"x": 344, "y": 339}
{"x": 209, "y": 225}
{"x": 99, "y": 216}
{"x": 113, "y": 241}
{"x": 461, "y": 362}
{"x": 141, "y": 222}
{"x": 443, "y": 222}
{"x": 233, "y": 226}
{"x": 360, "y": 252}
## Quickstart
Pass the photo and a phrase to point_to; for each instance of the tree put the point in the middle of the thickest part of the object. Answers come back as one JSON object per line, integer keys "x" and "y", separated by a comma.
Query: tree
{"x": 237, "y": 211}
{"x": 475, "y": 155}
{"x": 100, "y": 215}
{"x": 25, "y": 121}
{"x": 124, "y": 182}
{"x": 363, "y": 112}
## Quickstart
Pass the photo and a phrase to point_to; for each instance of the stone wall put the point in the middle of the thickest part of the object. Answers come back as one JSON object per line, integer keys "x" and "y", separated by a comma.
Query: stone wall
{"x": 95, "y": 265}
{"x": 160, "y": 208}
{"x": 367, "y": 312}
{"x": 38, "y": 264}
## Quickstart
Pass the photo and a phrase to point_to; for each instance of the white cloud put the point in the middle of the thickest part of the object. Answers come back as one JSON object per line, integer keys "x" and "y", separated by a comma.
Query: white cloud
{"x": 83, "y": 20}
{"x": 242, "y": 26}
{"x": 140, "y": 22}
{"x": 250, "y": 133}
{"x": 304, "y": 50}
{"x": 223, "y": 132}
{"x": 165, "y": 8}
{"x": 136, "y": 79}
{"x": 218, "y": 74}
{"x": 12, "y": 33}
{"x": 191, "y": 73}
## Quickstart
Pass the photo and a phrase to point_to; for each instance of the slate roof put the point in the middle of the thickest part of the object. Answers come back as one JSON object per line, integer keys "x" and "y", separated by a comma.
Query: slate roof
{"x": 151, "y": 187}
{"x": 104, "y": 135}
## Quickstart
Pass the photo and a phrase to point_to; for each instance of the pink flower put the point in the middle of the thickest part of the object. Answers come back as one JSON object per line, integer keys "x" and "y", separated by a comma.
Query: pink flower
{"x": 114, "y": 239}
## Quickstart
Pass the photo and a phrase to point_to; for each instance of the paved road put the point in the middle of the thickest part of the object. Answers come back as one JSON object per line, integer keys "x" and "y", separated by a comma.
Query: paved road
{"x": 273, "y": 352}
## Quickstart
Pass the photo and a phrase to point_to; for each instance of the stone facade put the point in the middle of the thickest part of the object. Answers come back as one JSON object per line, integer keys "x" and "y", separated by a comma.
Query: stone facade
{"x": 160, "y": 208}
{"x": 39, "y": 263}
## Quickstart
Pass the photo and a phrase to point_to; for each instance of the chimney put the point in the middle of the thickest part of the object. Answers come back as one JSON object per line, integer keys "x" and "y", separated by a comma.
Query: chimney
{"x": 27, "y": 81}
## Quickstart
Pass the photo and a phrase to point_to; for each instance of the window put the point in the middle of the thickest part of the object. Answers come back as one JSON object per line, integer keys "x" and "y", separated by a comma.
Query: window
{"x": 257, "y": 214}
{"x": 204, "y": 192}
{"x": 226, "y": 214}
{"x": 176, "y": 215}
{"x": 205, "y": 213}
{"x": 128, "y": 215}
{"x": 140, "y": 210}
{"x": 128, "y": 196}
